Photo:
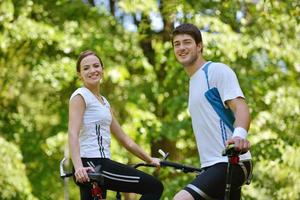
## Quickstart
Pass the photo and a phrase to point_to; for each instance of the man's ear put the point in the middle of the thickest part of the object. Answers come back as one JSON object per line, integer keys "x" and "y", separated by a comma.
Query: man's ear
{"x": 200, "y": 47}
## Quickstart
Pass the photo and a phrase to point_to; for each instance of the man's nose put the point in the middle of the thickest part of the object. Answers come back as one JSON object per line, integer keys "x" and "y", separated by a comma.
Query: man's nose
{"x": 181, "y": 46}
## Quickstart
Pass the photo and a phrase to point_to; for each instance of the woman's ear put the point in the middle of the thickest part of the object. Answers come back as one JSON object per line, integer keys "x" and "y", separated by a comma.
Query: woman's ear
{"x": 102, "y": 73}
{"x": 79, "y": 75}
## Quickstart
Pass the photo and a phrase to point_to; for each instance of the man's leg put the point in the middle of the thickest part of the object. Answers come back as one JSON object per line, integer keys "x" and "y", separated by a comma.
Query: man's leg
{"x": 183, "y": 195}
{"x": 210, "y": 184}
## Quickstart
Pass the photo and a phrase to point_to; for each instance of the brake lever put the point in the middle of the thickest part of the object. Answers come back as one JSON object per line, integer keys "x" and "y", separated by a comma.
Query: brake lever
{"x": 164, "y": 155}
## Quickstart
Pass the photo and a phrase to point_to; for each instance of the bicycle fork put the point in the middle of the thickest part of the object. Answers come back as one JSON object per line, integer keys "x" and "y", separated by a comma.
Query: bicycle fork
{"x": 96, "y": 191}
{"x": 232, "y": 160}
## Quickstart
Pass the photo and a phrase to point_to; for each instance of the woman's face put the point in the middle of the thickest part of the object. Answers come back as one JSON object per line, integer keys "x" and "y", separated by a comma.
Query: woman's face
{"x": 91, "y": 71}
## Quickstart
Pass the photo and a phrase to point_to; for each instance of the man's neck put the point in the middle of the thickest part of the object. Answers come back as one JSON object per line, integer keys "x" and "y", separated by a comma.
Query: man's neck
{"x": 191, "y": 69}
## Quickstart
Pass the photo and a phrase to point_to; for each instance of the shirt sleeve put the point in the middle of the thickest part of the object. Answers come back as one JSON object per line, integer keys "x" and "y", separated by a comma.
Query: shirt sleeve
{"x": 81, "y": 92}
{"x": 226, "y": 82}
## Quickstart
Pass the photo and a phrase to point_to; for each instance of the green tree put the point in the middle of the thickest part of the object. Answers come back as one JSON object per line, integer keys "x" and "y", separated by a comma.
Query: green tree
{"x": 14, "y": 183}
{"x": 148, "y": 90}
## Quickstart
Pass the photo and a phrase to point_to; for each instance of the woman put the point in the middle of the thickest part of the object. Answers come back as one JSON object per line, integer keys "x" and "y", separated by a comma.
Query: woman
{"x": 91, "y": 123}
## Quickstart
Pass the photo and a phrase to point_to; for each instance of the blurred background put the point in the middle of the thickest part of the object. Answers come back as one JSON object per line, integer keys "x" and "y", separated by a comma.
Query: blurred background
{"x": 148, "y": 90}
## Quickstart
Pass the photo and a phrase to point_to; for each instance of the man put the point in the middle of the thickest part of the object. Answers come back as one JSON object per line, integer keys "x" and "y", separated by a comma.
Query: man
{"x": 220, "y": 116}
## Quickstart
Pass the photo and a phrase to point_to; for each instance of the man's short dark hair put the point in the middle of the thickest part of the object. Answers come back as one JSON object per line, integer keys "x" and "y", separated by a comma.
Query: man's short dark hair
{"x": 189, "y": 29}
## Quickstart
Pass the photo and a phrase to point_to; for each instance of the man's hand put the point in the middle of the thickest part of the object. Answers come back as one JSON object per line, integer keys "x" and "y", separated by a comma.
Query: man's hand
{"x": 240, "y": 144}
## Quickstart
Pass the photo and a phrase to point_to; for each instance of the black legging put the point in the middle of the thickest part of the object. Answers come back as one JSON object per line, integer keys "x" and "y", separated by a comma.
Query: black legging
{"x": 123, "y": 178}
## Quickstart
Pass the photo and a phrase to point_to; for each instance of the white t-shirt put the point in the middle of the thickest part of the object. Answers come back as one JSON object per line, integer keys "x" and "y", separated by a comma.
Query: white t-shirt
{"x": 94, "y": 137}
{"x": 210, "y": 131}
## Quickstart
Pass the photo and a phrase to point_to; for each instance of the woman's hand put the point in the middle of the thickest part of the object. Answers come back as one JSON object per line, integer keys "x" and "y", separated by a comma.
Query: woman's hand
{"x": 81, "y": 174}
{"x": 155, "y": 162}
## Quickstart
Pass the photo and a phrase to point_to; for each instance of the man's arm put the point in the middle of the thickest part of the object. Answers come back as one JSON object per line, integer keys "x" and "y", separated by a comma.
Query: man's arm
{"x": 242, "y": 123}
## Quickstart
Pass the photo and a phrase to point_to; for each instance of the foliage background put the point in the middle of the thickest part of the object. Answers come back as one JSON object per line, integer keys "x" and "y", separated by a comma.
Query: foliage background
{"x": 39, "y": 43}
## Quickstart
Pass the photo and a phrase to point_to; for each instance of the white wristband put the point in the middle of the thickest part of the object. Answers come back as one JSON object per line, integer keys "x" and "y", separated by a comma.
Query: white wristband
{"x": 240, "y": 132}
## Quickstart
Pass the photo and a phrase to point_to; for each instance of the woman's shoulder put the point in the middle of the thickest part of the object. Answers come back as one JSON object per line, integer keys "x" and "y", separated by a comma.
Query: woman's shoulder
{"x": 80, "y": 91}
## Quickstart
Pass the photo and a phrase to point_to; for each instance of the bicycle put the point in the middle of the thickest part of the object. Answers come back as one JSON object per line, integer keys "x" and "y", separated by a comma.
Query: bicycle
{"x": 233, "y": 159}
{"x": 97, "y": 180}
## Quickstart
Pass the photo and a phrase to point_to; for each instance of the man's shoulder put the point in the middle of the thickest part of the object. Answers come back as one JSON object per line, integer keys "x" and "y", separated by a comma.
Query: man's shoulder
{"x": 219, "y": 65}
{"x": 219, "y": 68}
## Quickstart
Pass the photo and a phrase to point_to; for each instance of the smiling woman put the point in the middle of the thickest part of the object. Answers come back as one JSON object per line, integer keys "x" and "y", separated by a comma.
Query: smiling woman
{"x": 91, "y": 124}
{"x": 90, "y": 70}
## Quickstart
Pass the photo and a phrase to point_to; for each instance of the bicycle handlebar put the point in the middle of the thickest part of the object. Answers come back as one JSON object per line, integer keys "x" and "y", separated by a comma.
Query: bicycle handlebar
{"x": 184, "y": 168}
{"x": 229, "y": 151}
{"x": 164, "y": 163}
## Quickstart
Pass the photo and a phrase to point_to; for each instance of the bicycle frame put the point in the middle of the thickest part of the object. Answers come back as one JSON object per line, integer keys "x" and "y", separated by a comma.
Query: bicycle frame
{"x": 233, "y": 159}
{"x": 97, "y": 176}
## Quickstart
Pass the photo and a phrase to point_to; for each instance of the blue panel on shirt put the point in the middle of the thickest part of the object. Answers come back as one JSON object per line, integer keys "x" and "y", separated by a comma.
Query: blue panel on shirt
{"x": 214, "y": 98}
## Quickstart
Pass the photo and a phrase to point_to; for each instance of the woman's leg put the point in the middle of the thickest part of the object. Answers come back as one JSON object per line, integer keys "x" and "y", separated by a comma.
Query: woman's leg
{"x": 85, "y": 192}
{"x": 123, "y": 178}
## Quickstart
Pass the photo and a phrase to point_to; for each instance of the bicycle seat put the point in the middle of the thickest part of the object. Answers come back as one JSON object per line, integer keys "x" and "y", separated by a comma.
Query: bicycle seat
{"x": 97, "y": 176}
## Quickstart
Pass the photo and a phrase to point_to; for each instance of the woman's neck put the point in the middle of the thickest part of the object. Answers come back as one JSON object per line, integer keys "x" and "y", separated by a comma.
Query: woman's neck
{"x": 94, "y": 89}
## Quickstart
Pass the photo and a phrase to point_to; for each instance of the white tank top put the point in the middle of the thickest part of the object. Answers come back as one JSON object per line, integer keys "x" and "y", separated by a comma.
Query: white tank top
{"x": 94, "y": 137}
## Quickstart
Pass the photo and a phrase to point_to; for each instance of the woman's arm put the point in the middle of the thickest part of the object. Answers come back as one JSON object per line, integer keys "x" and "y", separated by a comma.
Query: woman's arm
{"x": 76, "y": 111}
{"x": 129, "y": 144}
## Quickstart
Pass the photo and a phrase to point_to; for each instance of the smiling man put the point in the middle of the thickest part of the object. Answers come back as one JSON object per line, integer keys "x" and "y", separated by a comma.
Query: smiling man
{"x": 220, "y": 116}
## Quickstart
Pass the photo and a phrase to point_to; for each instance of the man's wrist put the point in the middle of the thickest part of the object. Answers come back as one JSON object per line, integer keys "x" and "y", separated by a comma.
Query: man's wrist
{"x": 240, "y": 132}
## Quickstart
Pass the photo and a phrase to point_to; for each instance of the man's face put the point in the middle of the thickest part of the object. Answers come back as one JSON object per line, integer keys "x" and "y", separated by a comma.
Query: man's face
{"x": 186, "y": 50}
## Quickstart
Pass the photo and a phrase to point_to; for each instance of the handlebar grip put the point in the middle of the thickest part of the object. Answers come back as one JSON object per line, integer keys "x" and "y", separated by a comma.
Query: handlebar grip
{"x": 95, "y": 176}
{"x": 67, "y": 175}
{"x": 231, "y": 151}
